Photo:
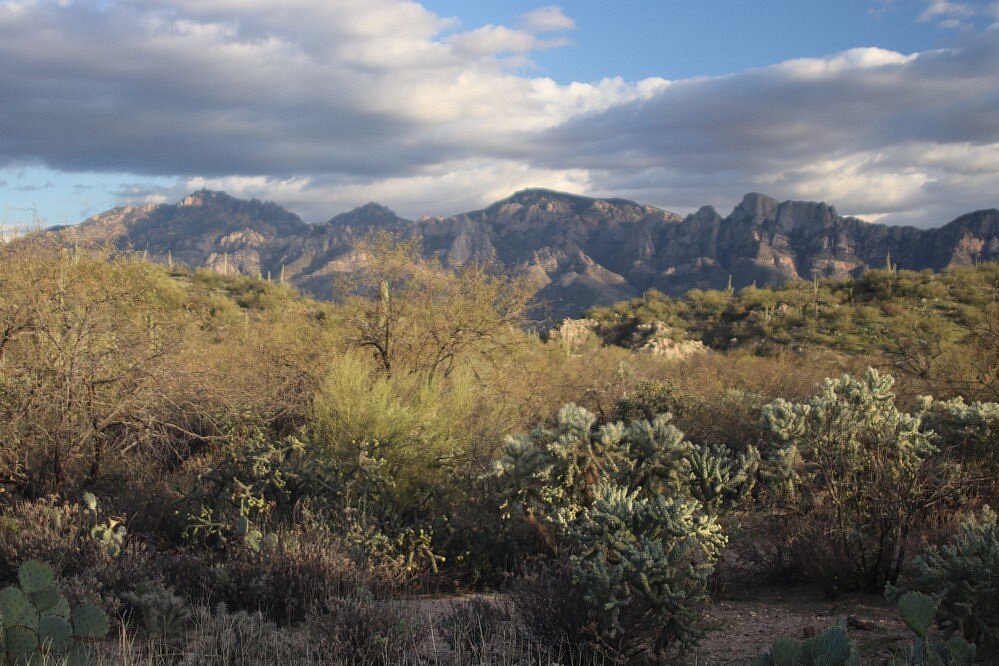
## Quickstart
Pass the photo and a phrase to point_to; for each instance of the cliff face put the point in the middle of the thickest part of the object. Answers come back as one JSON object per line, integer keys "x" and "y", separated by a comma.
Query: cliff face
{"x": 577, "y": 251}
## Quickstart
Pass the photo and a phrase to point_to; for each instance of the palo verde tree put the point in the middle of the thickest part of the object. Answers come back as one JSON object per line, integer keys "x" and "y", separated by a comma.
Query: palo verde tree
{"x": 416, "y": 315}
{"x": 86, "y": 342}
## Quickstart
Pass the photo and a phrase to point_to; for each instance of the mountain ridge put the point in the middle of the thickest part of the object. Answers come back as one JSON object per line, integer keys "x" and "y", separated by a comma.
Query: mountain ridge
{"x": 577, "y": 251}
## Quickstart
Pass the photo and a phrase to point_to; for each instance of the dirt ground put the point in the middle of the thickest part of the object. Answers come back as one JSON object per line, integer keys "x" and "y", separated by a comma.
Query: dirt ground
{"x": 747, "y": 622}
{"x": 744, "y": 627}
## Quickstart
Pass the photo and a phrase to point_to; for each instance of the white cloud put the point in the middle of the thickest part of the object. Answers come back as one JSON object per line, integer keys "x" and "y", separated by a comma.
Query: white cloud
{"x": 496, "y": 39}
{"x": 323, "y": 106}
{"x": 936, "y": 8}
{"x": 547, "y": 19}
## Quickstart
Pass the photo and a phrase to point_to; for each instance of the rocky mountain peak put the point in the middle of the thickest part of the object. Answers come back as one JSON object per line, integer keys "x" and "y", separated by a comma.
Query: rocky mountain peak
{"x": 204, "y": 197}
{"x": 755, "y": 206}
{"x": 369, "y": 215}
{"x": 577, "y": 251}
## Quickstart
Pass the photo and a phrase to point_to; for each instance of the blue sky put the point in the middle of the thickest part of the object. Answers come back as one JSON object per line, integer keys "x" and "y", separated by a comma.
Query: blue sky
{"x": 886, "y": 108}
{"x": 636, "y": 39}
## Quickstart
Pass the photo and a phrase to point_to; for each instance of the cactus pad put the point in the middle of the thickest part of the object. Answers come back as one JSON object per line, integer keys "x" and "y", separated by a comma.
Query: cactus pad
{"x": 833, "y": 647}
{"x": 21, "y": 642}
{"x": 35, "y": 576}
{"x": 785, "y": 652}
{"x": 90, "y": 501}
{"x": 242, "y": 526}
{"x": 55, "y": 633}
{"x": 16, "y": 609}
{"x": 60, "y": 609}
{"x": 89, "y": 621}
{"x": 45, "y": 599}
{"x": 918, "y": 610}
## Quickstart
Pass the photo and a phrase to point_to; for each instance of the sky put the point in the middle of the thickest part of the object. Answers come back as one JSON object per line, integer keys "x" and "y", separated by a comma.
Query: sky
{"x": 888, "y": 109}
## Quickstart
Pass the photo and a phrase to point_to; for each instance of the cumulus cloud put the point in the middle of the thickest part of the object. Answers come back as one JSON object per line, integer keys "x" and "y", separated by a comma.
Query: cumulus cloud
{"x": 323, "y": 106}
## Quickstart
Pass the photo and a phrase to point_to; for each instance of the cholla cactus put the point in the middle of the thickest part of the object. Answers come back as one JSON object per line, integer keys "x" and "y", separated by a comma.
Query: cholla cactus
{"x": 628, "y": 509}
{"x": 556, "y": 470}
{"x": 643, "y": 564}
{"x": 954, "y": 423}
{"x": 37, "y": 621}
{"x": 853, "y": 461}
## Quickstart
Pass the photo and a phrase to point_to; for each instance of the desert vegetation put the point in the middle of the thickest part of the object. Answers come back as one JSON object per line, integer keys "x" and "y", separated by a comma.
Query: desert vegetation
{"x": 214, "y": 469}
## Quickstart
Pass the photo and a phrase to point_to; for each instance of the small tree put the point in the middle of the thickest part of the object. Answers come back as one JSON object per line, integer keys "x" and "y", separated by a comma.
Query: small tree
{"x": 417, "y": 315}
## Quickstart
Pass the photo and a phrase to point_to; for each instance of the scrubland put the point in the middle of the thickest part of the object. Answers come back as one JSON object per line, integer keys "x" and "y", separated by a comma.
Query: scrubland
{"x": 234, "y": 473}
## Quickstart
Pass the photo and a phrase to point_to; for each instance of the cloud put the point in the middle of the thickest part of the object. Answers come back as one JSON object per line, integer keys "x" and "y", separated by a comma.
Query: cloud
{"x": 547, "y": 19}
{"x": 938, "y": 8}
{"x": 496, "y": 39}
{"x": 323, "y": 106}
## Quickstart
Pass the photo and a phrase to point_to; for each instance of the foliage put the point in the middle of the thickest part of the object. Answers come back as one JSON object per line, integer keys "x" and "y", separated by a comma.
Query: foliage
{"x": 365, "y": 631}
{"x": 598, "y": 498}
{"x": 415, "y": 315}
{"x": 279, "y": 483}
{"x": 164, "y": 615}
{"x": 963, "y": 575}
{"x": 939, "y": 329}
{"x": 72, "y": 536}
{"x": 859, "y": 471}
{"x": 37, "y": 620}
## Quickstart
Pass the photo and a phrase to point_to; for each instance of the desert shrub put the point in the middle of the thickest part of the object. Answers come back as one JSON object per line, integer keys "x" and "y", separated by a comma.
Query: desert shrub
{"x": 221, "y": 637}
{"x": 963, "y": 575}
{"x": 278, "y": 484}
{"x": 163, "y": 614}
{"x": 471, "y": 627}
{"x": 598, "y": 500}
{"x": 290, "y": 576}
{"x": 649, "y": 399}
{"x": 74, "y": 536}
{"x": 365, "y": 631}
{"x": 553, "y": 609}
{"x": 428, "y": 430}
{"x": 859, "y": 474}
{"x": 259, "y": 480}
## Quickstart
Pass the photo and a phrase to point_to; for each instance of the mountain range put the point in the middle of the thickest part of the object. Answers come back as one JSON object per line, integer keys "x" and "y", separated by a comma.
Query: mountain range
{"x": 577, "y": 251}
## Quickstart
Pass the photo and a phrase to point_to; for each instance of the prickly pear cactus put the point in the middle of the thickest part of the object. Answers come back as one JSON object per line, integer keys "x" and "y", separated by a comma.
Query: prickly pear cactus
{"x": 918, "y": 611}
{"x": 832, "y": 648}
{"x": 36, "y": 621}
